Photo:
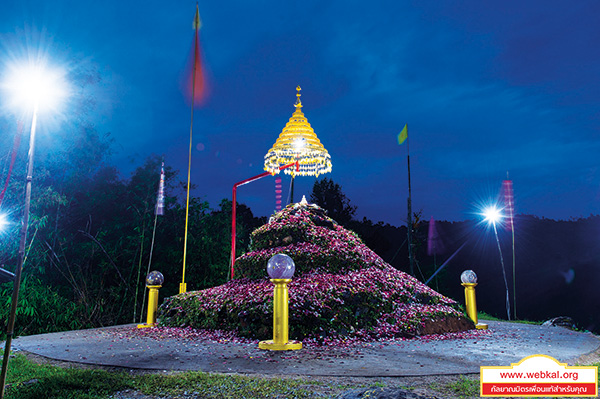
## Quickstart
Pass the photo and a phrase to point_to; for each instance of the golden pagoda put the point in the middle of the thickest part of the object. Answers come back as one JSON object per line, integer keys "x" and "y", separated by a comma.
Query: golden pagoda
{"x": 298, "y": 143}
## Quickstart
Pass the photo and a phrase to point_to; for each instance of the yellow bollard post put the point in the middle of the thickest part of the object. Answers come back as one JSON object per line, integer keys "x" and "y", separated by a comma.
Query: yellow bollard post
{"x": 154, "y": 281}
{"x": 469, "y": 281}
{"x": 280, "y": 268}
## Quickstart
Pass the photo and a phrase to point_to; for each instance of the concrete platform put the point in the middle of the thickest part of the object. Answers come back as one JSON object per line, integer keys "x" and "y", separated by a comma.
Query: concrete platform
{"x": 505, "y": 343}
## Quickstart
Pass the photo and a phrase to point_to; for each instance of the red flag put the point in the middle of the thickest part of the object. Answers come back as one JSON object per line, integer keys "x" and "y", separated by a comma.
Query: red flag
{"x": 196, "y": 83}
{"x": 160, "y": 201}
{"x": 434, "y": 241}
{"x": 509, "y": 201}
{"x": 13, "y": 157}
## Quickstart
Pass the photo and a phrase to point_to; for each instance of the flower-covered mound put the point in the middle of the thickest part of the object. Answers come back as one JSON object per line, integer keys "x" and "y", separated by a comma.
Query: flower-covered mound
{"x": 313, "y": 240}
{"x": 341, "y": 288}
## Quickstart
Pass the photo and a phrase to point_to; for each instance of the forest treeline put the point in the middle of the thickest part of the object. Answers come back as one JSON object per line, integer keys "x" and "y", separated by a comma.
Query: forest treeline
{"x": 90, "y": 236}
{"x": 556, "y": 263}
{"x": 91, "y": 231}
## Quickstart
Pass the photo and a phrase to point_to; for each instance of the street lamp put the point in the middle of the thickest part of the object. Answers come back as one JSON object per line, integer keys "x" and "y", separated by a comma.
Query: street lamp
{"x": 154, "y": 280}
{"x": 493, "y": 215}
{"x": 468, "y": 279}
{"x": 30, "y": 87}
{"x": 281, "y": 269}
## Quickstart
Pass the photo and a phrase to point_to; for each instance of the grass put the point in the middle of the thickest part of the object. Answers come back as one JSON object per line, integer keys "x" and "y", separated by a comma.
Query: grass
{"x": 205, "y": 385}
{"x": 29, "y": 380}
{"x": 26, "y": 379}
{"x": 464, "y": 387}
{"x": 486, "y": 316}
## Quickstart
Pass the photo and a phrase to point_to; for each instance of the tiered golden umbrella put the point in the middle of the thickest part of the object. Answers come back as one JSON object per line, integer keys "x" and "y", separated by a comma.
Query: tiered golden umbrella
{"x": 298, "y": 143}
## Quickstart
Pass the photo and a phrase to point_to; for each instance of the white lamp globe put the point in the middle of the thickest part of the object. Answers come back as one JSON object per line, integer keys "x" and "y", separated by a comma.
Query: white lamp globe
{"x": 281, "y": 266}
{"x": 155, "y": 278}
{"x": 468, "y": 277}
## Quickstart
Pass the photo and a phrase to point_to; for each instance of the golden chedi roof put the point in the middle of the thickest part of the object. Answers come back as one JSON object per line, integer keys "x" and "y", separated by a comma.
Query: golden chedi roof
{"x": 298, "y": 142}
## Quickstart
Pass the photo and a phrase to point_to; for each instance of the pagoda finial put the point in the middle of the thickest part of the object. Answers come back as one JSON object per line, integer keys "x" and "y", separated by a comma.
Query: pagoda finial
{"x": 298, "y": 102}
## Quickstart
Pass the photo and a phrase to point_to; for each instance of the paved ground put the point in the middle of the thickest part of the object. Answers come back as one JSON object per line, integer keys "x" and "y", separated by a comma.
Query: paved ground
{"x": 505, "y": 343}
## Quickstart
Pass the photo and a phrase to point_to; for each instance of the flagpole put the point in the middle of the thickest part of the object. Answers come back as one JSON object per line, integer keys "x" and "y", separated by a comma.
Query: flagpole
{"x": 137, "y": 281}
{"x": 21, "y": 255}
{"x": 409, "y": 223}
{"x": 156, "y": 213}
{"x": 514, "y": 275}
{"x": 183, "y": 285}
{"x": 512, "y": 230}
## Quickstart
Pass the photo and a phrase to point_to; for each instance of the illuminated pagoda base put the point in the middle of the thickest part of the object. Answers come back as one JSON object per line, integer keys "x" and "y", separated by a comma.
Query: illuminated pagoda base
{"x": 341, "y": 288}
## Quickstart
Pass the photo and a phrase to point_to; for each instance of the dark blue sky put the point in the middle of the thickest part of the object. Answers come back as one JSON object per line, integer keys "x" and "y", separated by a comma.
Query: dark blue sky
{"x": 485, "y": 87}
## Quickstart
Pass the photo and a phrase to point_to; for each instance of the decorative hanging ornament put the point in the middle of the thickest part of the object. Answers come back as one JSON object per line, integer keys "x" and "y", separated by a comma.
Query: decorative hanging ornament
{"x": 298, "y": 143}
{"x": 278, "y": 193}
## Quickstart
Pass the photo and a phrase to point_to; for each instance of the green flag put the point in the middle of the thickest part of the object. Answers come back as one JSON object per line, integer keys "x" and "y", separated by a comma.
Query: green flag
{"x": 403, "y": 135}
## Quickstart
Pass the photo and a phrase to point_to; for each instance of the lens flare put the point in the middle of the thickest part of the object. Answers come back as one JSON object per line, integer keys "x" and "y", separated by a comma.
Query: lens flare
{"x": 3, "y": 222}
{"x": 35, "y": 84}
{"x": 492, "y": 214}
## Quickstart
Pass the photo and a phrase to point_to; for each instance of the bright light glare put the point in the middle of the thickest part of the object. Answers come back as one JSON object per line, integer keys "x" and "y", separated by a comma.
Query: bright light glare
{"x": 299, "y": 143}
{"x": 492, "y": 214}
{"x": 3, "y": 222}
{"x": 33, "y": 85}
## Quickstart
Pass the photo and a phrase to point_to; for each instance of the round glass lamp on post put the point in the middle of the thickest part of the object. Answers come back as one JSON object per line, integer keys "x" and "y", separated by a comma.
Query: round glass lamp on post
{"x": 281, "y": 270}
{"x": 154, "y": 282}
{"x": 469, "y": 281}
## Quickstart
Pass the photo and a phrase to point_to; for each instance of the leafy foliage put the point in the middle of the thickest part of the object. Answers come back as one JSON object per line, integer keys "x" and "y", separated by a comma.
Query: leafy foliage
{"x": 329, "y": 196}
{"x": 90, "y": 236}
{"x": 40, "y": 308}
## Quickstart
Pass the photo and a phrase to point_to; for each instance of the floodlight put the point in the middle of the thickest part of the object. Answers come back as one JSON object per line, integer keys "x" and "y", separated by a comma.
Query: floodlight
{"x": 492, "y": 214}
{"x": 32, "y": 86}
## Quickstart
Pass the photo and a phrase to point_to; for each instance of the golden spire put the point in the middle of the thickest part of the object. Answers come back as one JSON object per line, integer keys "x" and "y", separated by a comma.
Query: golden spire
{"x": 298, "y": 142}
{"x": 298, "y": 102}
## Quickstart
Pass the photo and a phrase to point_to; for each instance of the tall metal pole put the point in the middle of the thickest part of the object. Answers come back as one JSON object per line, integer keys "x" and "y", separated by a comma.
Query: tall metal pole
{"x": 410, "y": 243}
{"x": 17, "y": 282}
{"x": 183, "y": 285}
{"x": 511, "y": 207}
{"x": 148, "y": 269}
{"x": 503, "y": 272}
{"x": 514, "y": 275}
{"x": 292, "y": 190}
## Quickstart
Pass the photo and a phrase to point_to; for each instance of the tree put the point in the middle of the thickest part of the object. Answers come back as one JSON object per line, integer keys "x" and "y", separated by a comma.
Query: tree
{"x": 329, "y": 196}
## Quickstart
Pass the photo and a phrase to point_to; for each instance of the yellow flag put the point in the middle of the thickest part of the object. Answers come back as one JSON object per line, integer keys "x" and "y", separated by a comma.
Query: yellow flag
{"x": 403, "y": 135}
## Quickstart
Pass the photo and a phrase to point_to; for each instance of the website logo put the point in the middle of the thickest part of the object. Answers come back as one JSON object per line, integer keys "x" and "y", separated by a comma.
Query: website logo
{"x": 539, "y": 375}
